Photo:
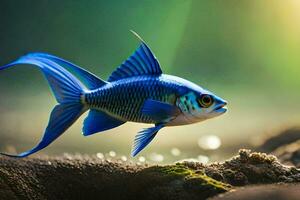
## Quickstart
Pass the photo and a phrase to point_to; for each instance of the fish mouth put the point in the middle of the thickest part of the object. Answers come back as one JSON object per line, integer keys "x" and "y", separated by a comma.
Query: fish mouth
{"x": 221, "y": 108}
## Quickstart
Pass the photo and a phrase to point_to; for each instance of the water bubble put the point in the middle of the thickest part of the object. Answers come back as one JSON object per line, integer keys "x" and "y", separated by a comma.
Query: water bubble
{"x": 203, "y": 159}
{"x": 112, "y": 154}
{"x": 100, "y": 155}
{"x": 142, "y": 159}
{"x": 124, "y": 158}
{"x": 175, "y": 151}
{"x": 209, "y": 142}
{"x": 156, "y": 157}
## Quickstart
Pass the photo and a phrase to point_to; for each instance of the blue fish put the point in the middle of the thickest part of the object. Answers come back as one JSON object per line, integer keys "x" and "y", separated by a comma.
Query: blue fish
{"x": 136, "y": 91}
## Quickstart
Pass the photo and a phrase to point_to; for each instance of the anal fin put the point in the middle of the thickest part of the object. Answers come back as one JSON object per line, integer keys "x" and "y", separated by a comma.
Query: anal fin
{"x": 144, "y": 137}
{"x": 98, "y": 121}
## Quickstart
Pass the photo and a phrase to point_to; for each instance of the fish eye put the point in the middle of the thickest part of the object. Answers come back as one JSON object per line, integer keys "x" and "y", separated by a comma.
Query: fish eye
{"x": 205, "y": 100}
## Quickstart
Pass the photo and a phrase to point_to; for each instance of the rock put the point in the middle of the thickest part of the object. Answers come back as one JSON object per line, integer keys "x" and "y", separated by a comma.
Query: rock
{"x": 289, "y": 154}
{"x": 263, "y": 192}
{"x": 285, "y": 137}
{"x": 249, "y": 168}
{"x": 88, "y": 177}
{"x": 286, "y": 146}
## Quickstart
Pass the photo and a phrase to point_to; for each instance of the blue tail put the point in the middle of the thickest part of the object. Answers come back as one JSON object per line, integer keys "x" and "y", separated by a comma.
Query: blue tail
{"x": 67, "y": 90}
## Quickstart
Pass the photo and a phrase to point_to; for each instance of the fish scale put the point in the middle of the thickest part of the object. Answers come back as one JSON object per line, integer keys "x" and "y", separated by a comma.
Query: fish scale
{"x": 124, "y": 99}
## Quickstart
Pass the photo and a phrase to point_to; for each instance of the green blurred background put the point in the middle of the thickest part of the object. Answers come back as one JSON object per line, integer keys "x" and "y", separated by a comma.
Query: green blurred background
{"x": 244, "y": 51}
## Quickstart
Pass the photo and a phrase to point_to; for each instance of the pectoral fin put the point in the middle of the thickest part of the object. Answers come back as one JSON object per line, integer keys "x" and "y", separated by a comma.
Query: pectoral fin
{"x": 160, "y": 111}
{"x": 144, "y": 137}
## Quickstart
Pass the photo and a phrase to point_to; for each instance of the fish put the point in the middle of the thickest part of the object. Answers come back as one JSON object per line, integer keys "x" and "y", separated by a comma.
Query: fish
{"x": 137, "y": 91}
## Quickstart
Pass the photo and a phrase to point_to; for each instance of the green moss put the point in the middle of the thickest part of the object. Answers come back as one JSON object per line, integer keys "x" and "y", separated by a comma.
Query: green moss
{"x": 176, "y": 170}
{"x": 199, "y": 177}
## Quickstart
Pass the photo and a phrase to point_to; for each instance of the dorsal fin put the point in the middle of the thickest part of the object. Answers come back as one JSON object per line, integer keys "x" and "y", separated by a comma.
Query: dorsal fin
{"x": 141, "y": 62}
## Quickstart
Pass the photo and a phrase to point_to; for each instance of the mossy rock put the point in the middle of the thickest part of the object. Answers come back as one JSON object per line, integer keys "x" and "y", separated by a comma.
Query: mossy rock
{"x": 69, "y": 177}
{"x": 89, "y": 178}
{"x": 181, "y": 178}
{"x": 249, "y": 168}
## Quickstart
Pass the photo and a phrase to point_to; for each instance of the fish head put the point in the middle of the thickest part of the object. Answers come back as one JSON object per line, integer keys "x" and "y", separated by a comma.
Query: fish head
{"x": 199, "y": 105}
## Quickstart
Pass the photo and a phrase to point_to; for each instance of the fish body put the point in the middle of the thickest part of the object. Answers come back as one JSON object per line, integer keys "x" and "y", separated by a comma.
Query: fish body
{"x": 125, "y": 98}
{"x": 136, "y": 91}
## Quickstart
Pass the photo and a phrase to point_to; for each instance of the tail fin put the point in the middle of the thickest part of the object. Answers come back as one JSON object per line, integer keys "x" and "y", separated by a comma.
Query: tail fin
{"x": 67, "y": 90}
